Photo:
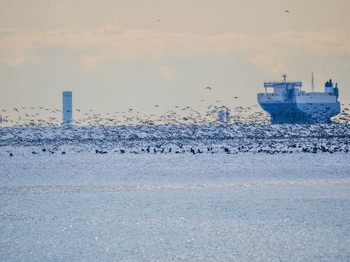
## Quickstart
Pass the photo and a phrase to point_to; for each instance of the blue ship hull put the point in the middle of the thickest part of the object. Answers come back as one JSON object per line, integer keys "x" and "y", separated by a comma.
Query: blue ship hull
{"x": 293, "y": 113}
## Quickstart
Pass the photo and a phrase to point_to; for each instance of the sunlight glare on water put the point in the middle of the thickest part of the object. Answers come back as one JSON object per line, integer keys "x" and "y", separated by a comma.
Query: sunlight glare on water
{"x": 154, "y": 207}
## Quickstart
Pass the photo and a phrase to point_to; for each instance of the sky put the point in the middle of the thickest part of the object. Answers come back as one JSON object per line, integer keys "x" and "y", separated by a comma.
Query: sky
{"x": 119, "y": 54}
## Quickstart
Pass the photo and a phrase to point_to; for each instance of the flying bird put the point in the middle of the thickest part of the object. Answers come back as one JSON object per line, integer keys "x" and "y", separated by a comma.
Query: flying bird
{"x": 286, "y": 11}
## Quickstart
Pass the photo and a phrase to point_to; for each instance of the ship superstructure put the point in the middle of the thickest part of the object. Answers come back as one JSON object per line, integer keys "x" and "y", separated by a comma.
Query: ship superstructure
{"x": 286, "y": 102}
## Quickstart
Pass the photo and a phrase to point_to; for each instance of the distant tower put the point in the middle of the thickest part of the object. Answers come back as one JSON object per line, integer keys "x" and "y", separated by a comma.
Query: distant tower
{"x": 223, "y": 115}
{"x": 67, "y": 108}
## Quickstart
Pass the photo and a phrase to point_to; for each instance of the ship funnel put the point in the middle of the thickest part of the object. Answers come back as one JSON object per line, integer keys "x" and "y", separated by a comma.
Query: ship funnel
{"x": 328, "y": 86}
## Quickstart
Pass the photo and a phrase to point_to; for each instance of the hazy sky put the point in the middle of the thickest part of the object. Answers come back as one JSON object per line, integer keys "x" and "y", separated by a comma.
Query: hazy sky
{"x": 119, "y": 54}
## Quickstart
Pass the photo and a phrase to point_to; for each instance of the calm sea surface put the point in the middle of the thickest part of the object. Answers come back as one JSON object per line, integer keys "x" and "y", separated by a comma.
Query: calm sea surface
{"x": 165, "y": 208}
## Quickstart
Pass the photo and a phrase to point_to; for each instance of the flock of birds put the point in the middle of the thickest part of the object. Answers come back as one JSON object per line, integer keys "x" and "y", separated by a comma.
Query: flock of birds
{"x": 178, "y": 115}
{"x": 175, "y": 139}
{"x": 180, "y": 130}
{"x": 239, "y": 115}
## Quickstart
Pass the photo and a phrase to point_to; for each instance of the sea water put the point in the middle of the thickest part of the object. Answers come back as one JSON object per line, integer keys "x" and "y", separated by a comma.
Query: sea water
{"x": 114, "y": 207}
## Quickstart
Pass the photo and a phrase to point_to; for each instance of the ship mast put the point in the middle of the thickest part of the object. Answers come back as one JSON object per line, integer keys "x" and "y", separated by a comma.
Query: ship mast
{"x": 284, "y": 77}
{"x": 312, "y": 82}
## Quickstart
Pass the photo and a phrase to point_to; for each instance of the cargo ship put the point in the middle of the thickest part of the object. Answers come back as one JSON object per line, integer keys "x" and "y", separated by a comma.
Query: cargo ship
{"x": 287, "y": 103}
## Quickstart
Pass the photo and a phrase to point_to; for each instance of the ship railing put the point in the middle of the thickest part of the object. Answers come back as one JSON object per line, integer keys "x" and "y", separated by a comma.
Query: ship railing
{"x": 270, "y": 96}
{"x": 314, "y": 94}
{"x": 282, "y": 84}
